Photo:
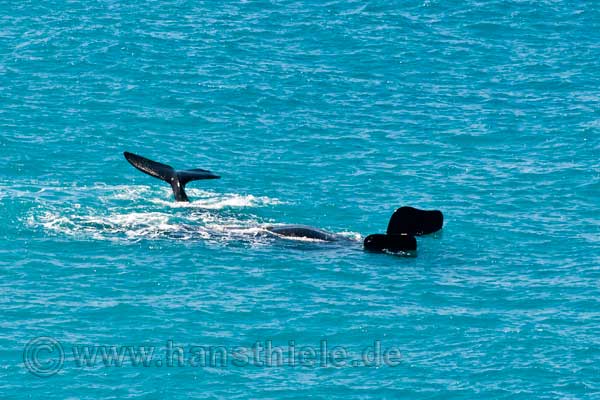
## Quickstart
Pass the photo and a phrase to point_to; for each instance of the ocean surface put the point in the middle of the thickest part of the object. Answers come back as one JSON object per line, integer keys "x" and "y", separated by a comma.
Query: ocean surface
{"x": 330, "y": 114}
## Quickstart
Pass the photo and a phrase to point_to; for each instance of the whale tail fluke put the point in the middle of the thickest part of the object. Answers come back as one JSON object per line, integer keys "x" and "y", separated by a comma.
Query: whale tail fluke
{"x": 177, "y": 179}
{"x": 404, "y": 225}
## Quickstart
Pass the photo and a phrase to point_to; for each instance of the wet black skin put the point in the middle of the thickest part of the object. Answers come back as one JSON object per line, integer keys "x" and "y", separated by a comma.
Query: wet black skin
{"x": 404, "y": 225}
{"x": 303, "y": 231}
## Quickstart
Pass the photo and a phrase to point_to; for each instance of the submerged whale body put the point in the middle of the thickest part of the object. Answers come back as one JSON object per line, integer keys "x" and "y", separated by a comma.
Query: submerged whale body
{"x": 404, "y": 224}
{"x": 305, "y": 232}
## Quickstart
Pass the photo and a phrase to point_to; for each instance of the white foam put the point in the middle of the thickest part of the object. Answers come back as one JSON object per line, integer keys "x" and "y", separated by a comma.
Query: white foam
{"x": 129, "y": 192}
{"x": 215, "y": 201}
{"x": 151, "y": 214}
{"x": 299, "y": 238}
{"x": 134, "y": 225}
{"x": 352, "y": 235}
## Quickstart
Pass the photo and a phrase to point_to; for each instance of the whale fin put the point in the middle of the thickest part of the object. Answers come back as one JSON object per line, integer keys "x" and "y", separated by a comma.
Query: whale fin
{"x": 404, "y": 225}
{"x": 177, "y": 179}
{"x": 412, "y": 221}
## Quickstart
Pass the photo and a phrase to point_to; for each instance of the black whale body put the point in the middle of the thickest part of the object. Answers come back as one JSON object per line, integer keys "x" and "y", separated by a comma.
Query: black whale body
{"x": 304, "y": 231}
{"x": 405, "y": 223}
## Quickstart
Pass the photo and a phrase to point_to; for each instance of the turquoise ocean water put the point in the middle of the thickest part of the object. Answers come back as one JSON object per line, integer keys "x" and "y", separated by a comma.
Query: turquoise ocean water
{"x": 330, "y": 114}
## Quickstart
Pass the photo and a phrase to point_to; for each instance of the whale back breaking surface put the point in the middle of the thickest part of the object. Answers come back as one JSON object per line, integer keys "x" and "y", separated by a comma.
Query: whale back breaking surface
{"x": 303, "y": 231}
{"x": 390, "y": 243}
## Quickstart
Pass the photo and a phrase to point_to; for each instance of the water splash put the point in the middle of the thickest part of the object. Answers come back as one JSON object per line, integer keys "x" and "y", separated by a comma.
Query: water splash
{"x": 217, "y": 201}
{"x": 149, "y": 214}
